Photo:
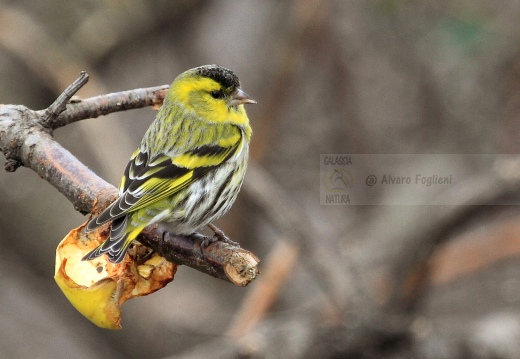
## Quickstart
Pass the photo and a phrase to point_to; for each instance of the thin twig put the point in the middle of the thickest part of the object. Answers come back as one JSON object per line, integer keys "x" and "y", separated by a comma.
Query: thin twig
{"x": 59, "y": 105}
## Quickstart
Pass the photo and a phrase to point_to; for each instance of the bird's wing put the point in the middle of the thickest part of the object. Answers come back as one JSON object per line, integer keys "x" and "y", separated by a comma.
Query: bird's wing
{"x": 149, "y": 180}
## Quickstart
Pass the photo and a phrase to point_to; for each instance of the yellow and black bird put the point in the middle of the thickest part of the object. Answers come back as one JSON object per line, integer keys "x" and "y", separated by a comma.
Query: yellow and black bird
{"x": 190, "y": 165}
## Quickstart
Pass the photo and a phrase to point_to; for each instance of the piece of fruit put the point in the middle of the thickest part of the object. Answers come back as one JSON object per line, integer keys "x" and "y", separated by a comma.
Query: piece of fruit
{"x": 97, "y": 288}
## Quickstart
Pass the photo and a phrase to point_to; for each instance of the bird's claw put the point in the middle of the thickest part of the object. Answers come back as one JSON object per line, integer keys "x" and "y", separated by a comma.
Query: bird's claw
{"x": 218, "y": 237}
{"x": 207, "y": 241}
{"x": 221, "y": 236}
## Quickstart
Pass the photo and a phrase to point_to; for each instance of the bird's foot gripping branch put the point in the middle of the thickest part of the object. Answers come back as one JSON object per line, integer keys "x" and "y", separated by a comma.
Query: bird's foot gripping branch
{"x": 26, "y": 140}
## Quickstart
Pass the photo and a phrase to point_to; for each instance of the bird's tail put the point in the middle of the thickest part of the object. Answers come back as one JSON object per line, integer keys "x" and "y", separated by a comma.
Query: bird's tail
{"x": 116, "y": 245}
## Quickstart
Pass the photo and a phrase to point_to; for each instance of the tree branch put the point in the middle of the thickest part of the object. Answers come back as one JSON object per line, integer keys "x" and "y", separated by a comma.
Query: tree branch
{"x": 25, "y": 139}
{"x": 105, "y": 104}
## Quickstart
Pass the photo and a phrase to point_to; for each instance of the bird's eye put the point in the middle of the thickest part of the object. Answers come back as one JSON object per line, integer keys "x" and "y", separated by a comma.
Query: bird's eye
{"x": 217, "y": 95}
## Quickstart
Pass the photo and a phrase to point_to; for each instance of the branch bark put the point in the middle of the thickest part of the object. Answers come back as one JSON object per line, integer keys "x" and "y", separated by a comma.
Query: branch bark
{"x": 26, "y": 140}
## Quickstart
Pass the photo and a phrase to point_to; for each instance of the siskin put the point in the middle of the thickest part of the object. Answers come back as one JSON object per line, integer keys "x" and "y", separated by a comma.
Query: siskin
{"x": 190, "y": 165}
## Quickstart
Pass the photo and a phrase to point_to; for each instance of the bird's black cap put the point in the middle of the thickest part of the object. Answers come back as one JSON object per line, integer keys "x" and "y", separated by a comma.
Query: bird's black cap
{"x": 223, "y": 76}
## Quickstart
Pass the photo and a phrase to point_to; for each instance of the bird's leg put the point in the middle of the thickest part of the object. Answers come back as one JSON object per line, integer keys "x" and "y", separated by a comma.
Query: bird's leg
{"x": 207, "y": 240}
{"x": 220, "y": 236}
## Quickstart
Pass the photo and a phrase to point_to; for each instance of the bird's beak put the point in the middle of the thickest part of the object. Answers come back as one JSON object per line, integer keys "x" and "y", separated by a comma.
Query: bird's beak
{"x": 239, "y": 97}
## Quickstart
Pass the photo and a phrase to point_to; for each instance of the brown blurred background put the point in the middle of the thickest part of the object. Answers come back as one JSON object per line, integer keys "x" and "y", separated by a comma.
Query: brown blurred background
{"x": 381, "y": 76}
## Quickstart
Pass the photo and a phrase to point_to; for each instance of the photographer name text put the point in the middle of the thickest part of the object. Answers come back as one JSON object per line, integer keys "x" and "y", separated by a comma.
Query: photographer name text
{"x": 418, "y": 179}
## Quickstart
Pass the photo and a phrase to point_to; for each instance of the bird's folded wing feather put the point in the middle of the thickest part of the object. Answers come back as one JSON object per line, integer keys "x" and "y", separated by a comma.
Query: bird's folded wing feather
{"x": 146, "y": 181}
